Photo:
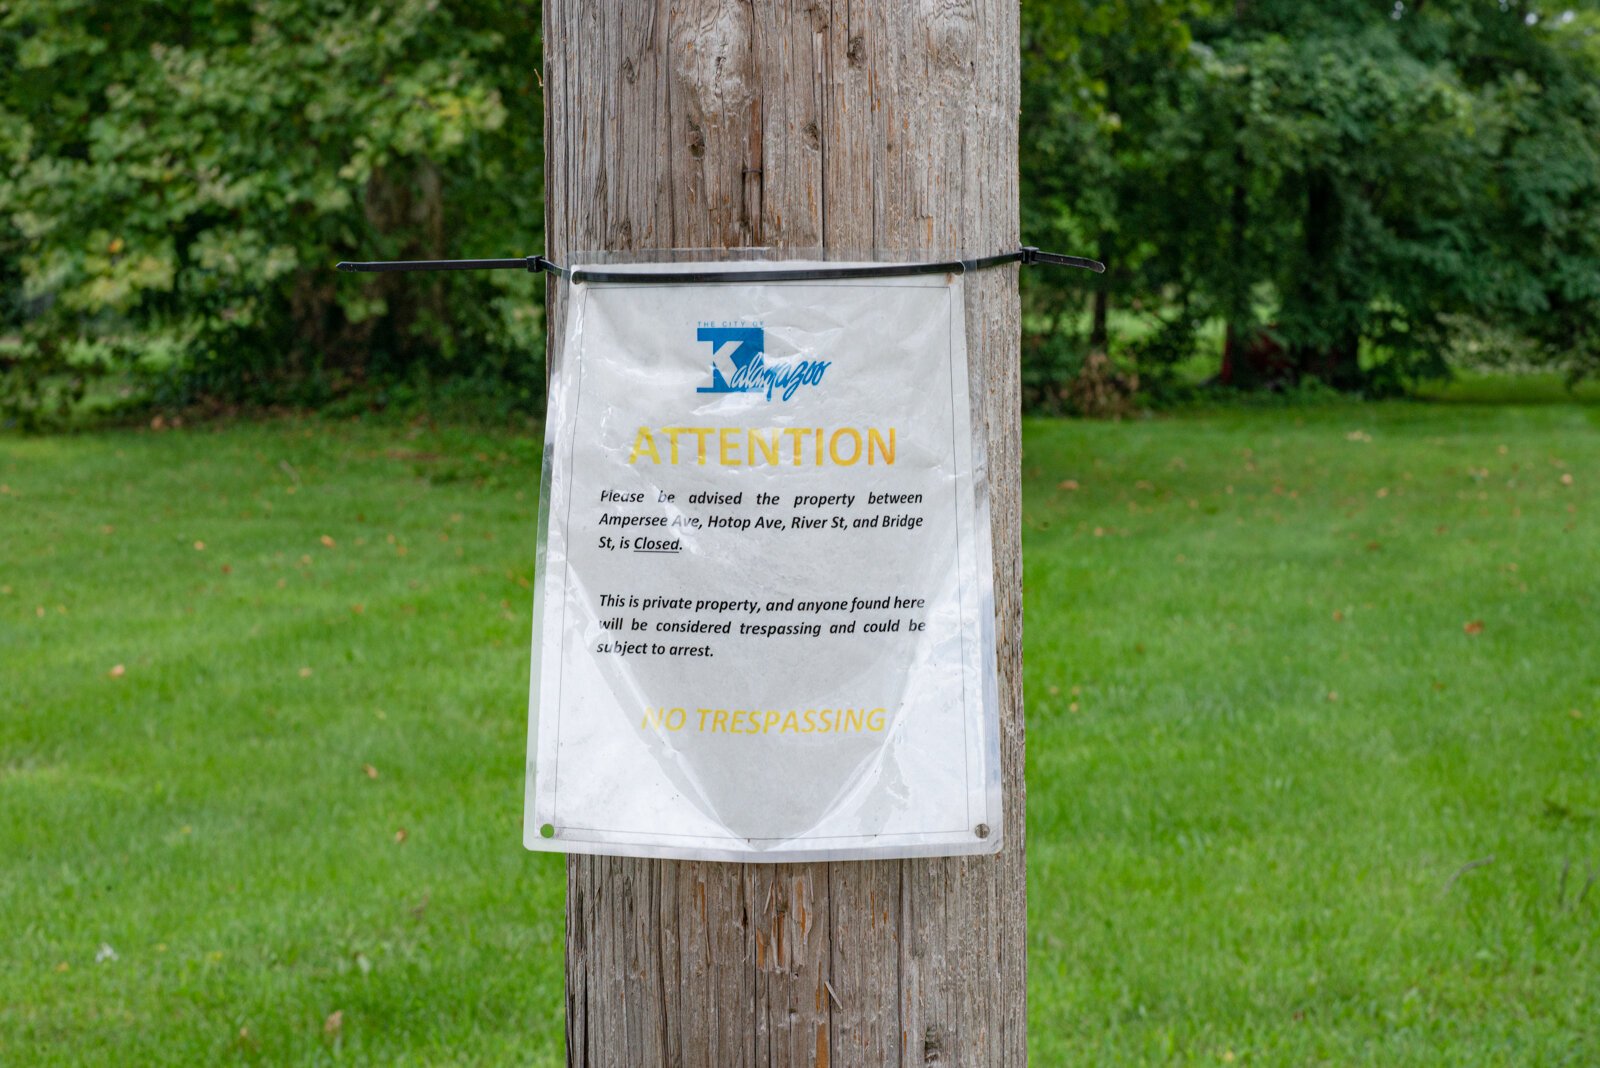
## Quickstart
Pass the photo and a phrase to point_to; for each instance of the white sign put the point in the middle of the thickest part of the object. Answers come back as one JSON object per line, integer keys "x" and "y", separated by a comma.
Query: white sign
{"x": 764, "y": 616}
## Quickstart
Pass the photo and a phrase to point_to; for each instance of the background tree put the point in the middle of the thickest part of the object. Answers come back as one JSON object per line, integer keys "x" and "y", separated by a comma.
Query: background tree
{"x": 1355, "y": 192}
{"x": 1097, "y": 84}
{"x": 1346, "y": 185}
{"x": 178, "y": 179}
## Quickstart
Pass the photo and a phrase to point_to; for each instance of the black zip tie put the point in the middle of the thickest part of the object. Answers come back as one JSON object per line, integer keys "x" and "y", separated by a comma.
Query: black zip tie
{"x": 1027, "y": 255}
{"x": 533, "y": 264}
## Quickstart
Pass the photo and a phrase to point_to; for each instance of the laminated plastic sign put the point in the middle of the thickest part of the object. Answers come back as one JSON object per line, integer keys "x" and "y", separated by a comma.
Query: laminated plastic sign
{"x": 764, "y": 616}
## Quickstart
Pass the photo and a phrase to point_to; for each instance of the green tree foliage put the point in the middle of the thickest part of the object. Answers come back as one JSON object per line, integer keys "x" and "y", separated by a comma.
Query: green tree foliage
{"x": 1343, "y": 182}
{"x": 177, "y": 180}
{"x": 1349, "y": 185}
{"x": 1539, "y": 87}
{"x": 1097, "y": 83}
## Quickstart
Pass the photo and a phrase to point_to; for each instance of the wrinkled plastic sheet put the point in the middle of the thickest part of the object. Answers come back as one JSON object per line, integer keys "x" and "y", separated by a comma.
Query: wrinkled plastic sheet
{"x": 764, "y": 613}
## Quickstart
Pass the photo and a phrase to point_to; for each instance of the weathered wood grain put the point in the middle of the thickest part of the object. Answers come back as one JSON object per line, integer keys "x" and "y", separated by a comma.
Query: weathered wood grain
{"x": 853, "y": 125}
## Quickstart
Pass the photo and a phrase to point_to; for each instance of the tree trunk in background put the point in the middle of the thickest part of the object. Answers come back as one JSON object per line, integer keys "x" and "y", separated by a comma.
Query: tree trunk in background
{"x": 849, "y": 126}
{"x": 1241, "y": 332}
{"x": 1100, "y": 309}
{"x": 1337, "y": 359}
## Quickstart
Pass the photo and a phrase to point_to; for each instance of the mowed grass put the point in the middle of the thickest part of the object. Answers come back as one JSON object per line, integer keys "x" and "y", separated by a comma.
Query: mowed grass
{"x": 1294, "y": 677}
{"x": 207, "y": 638}
{"x": 1314, "y": 737}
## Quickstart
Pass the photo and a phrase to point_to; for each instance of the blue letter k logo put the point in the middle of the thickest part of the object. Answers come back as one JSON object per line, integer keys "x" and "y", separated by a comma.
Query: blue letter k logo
{"x": 750, "y": 342}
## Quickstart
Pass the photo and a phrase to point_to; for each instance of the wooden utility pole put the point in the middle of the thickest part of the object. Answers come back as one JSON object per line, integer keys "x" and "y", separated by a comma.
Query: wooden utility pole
{"x": 849, "y": 125}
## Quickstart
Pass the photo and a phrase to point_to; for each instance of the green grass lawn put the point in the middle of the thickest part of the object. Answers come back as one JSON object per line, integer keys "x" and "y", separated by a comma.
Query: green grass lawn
{"x": 1295, "y": 676}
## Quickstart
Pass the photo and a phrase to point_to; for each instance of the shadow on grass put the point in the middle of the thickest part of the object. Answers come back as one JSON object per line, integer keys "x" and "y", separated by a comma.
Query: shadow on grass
{"x": 1531, "y": 389}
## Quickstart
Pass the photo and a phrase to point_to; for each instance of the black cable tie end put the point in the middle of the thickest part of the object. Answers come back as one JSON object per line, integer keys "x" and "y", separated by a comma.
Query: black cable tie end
{"x": 539, "y": 265}
{"x": 1069, "y": 261}
{"x": 345, "y": 266}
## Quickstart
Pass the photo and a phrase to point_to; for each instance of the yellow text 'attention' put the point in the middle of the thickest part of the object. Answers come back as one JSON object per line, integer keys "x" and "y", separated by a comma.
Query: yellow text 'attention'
{"x": 730, "y": 446}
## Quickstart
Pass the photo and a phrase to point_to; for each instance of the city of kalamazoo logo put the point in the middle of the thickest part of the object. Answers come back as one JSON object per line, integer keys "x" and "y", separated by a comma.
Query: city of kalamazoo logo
{"x": 750, "y": 372}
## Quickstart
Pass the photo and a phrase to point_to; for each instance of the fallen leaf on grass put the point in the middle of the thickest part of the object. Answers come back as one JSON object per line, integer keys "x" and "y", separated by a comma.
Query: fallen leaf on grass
{"x": 1069, "y": 485}
{"x": 1473, "y": 626}
{"x": 305, "y": 673}
{"x": 117, "y": 672}
{"x": 327, "y": 542}
{"x": 199, "y": 546}
{"x": 370, "y": 771}
{"x": 400, "y": 836}
{"x": 1566, "y": 479}
{"x": 334, "y": 1023}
